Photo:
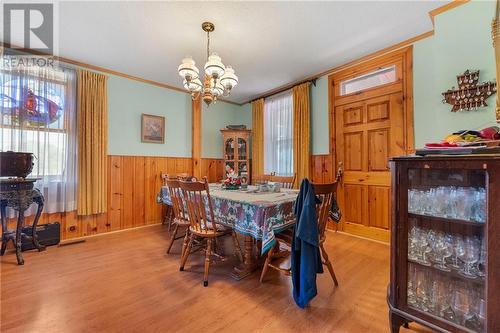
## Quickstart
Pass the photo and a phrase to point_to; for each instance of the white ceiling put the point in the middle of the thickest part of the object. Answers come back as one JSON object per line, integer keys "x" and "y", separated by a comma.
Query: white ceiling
{"x": 268, "y": 43}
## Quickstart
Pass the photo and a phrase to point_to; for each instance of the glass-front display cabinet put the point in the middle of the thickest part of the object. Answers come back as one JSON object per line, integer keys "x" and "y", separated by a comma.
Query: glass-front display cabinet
{"x": 445, "y": 243}
{"x": 237, "y": 151}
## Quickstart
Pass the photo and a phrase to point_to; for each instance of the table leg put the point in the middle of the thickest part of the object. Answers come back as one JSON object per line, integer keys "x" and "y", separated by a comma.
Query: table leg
{"x": 19, "y": 236}
{"x": 5, "y": 239}
{"x": 34, "y": 236}
{"x": 249, "y": 265}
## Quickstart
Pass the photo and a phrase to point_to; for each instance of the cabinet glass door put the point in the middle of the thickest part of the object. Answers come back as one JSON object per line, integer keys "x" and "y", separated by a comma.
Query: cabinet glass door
{"x": 447, "y": 252}
{"x": 229, "y": 149}
{"x": 242, "y": 149}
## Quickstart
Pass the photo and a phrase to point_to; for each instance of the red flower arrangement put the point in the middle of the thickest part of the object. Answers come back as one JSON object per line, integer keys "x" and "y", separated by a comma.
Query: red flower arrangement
{"x": 232, "y": 183}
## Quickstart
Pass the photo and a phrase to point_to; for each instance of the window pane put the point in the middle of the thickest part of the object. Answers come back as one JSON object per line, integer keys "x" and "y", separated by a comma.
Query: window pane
{"x": 278, "y": 135}
{"x": 370, "y": 80}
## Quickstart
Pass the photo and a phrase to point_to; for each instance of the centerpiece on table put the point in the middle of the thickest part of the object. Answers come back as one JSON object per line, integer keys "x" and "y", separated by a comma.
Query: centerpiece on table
{"x": 232, "y": 181}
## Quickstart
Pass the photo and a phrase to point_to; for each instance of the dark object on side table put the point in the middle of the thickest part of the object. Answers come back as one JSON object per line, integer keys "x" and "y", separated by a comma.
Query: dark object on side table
{"x": 450, "y": 203}
{"x": 47, "y": 235}
{"x": 236, "y": 127}
{"x": 19, "y": 194}
{"x": 15, "y": 164}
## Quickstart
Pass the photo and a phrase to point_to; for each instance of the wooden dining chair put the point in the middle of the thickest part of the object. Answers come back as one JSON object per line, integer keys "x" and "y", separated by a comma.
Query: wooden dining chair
{"x": 169, "y": 212}
{"x": 203, "y": 224}
{"x": 257, "y": 179}
{"x": 326, "y": 194}
{"x": 286, "y": 182}
{"x": 180, "y": 219}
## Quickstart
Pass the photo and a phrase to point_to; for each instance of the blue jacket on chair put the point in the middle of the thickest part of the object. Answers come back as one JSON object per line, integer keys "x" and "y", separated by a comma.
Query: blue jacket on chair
{"x": 306, "y": 257}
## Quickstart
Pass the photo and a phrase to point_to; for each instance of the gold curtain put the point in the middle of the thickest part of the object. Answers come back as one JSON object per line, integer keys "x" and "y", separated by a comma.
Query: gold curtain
{"x": 92, "y": 122}
{"x": 258, "y": 137}
{"x": 301, "y": 131}
{"x": 495, "y": 33}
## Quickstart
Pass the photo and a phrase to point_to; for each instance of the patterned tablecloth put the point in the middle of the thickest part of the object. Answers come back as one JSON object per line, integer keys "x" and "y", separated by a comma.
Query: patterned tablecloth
{"x": 259, "y": 215}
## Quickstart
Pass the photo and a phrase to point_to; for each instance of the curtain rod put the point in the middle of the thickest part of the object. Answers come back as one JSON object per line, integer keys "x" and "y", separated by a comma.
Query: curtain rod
{"x": 284, "y": 88}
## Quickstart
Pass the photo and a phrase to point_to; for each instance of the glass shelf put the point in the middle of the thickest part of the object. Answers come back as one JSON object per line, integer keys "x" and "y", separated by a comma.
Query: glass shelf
{"x": 445, "y": 220}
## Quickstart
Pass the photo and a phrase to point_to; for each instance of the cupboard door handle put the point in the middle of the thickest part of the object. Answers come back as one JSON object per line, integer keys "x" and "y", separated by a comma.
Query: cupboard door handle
{"x": 72, "y": 228}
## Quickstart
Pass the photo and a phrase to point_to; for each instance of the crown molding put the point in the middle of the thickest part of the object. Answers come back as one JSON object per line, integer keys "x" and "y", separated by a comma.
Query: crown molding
{"x": 103, "y": 70}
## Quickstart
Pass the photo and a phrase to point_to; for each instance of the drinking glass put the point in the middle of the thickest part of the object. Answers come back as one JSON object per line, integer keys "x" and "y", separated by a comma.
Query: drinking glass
{"x": 422, "y": 290}
{"x": 481, "y": 313}
{"x": 476, "y": 316}
{"x": 411, "y": 200}
{"x": 478, "y": 211}
{"x": 458, "y": 251}
{"x": 412, "y": 285}
{"x": 462, "y": 204}
{"x": 481, "y": 264}
{"x": 460, "y": 305}
{"x": 440, "y": 201}
{"x": 471, "y": 255}
{"x": 443, "y": 249}
{"x": 424, "y": 240}
{"x": 413, "y": 243}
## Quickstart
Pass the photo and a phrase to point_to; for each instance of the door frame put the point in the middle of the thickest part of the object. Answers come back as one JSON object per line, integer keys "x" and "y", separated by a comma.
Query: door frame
{"x": 405, "y": 57}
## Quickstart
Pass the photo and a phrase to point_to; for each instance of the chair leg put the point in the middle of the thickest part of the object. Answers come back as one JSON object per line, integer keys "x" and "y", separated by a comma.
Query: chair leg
{"x": 328, "y": 265}
{"x": 266, "y": 264}
{"x": 172, "y": 238}
{"x": 207, "y": 261}
{"x": 237, "y": 247}
{"x": 185, "y": 242}
{"x": 185, "y": 255}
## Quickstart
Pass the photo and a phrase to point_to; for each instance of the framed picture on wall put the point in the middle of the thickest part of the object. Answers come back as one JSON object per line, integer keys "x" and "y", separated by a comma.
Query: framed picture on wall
{"x": 152, "y": 128}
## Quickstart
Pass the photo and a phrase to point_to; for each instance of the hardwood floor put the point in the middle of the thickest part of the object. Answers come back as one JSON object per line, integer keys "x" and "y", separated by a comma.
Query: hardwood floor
{"x": 124, "y": 282}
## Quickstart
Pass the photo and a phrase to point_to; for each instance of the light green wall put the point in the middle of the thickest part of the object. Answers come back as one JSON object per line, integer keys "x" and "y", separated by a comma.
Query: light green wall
{"x": 319, "y": 116}
{"x": 128, "y": 99}
{"x": 462, "y": 40}
{"x": 215, "y": 118}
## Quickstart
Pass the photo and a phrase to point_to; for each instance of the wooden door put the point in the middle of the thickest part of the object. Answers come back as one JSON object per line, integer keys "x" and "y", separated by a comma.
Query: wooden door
{"x": 370, "y": 127}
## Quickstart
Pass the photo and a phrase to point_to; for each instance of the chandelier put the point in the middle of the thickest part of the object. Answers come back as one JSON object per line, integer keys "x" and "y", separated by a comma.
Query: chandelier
{"x": 219, "y": 80}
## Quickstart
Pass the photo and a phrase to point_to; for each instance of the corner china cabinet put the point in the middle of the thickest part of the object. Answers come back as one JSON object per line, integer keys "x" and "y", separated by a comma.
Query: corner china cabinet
{"x": 236, "y": 151}
{"x": 445, "y": 243}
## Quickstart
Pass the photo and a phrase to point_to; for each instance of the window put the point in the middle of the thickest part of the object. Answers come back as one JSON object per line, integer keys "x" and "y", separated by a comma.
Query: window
{"x": 37, "y": 115}
{"x": 278, "y": 134}
{"x": 370, "y": 80}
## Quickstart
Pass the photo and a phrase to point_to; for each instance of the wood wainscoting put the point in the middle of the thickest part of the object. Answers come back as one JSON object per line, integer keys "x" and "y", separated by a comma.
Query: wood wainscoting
{"x": 133, "y": 184}
{"x": 322, "y": 169}
{"x": 213, "y": 169}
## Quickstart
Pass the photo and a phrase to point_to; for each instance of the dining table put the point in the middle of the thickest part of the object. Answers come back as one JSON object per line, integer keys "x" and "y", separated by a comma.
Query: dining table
{"x": 257, "y": 215}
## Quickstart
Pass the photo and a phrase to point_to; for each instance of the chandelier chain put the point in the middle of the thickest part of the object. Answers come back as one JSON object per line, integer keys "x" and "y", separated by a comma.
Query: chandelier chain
{"x": 208, "y": 44}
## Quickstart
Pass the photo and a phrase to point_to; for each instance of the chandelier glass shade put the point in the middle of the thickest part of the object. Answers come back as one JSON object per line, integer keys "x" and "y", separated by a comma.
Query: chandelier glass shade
{"x": 219, "y": 79}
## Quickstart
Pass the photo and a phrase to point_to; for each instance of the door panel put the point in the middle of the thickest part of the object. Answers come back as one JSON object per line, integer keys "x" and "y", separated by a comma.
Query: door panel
{"x": 378, "y": 111}
{"x": 353, "y": 116}
{"x": 368, "y": 133}
{"x": 378, "y": 149}
{"x": 353, "y": 151}
{"x": 353, "y": 206}
{"x": 378, "y": 206}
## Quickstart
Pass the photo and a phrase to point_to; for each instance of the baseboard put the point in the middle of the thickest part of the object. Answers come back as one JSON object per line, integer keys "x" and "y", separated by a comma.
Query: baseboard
{"x": 356, "y": 236}
{"x": 83, "y": 238}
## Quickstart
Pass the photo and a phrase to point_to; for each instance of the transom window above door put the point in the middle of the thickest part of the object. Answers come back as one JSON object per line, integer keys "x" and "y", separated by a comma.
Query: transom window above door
{"x": 370, "y": 80}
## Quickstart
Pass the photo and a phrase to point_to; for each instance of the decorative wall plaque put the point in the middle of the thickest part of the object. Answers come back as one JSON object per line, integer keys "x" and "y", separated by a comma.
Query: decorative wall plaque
{"x": 470, "y": 95}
